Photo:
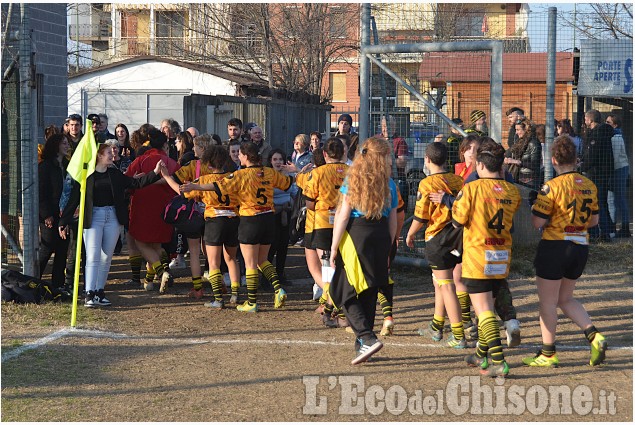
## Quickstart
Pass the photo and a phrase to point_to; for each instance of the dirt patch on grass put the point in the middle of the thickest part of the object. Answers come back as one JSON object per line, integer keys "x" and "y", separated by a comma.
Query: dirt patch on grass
{"x": 167, "y": 358}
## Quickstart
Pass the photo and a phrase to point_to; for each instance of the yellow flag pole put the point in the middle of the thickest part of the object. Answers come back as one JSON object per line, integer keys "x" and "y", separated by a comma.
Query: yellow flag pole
{"x": 78, "y": 251}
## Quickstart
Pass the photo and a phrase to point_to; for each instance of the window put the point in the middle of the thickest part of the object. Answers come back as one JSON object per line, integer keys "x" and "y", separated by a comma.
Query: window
{"x": 337, "y": 22}
{"x": 470, "y": 24}
{"x": 169, "y": 33}
{"x": 337, "y": 86}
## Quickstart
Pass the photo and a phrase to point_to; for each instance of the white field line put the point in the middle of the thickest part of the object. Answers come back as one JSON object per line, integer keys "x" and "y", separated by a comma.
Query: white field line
{"x": 100, "y": 334}
{"x": 88, "y": 334}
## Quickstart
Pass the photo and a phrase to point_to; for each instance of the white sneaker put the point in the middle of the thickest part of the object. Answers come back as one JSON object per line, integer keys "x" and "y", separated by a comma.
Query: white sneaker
{"x": 512, "y": 331}
{"x": 177, "y": 262}
{"x": 317, "y": 292}
{"x": 206, "y": 275}
{"x": 227, "y": 280}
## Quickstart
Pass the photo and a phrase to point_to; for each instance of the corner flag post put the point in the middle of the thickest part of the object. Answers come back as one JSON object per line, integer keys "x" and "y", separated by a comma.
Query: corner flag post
{"x": 81, "y": 165}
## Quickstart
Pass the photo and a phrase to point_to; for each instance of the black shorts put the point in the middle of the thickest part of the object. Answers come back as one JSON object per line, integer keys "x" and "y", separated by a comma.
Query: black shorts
{"x": 439, "y": 253}
{"x": 191, "y": 235}
{"x": 221, "y": 231}
{"x": 477, "y": 286}
{"x": 308, "y": 240}
{"x": 322, "y": 239}
{"x": 558, "y": 259}
{"x": 257, "y": 229}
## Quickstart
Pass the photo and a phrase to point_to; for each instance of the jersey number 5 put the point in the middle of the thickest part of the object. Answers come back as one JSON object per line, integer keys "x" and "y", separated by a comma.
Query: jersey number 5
{"x": 584, "y": 209}
{"x": 260, "y": 194}
{"x": 496, "y": 222}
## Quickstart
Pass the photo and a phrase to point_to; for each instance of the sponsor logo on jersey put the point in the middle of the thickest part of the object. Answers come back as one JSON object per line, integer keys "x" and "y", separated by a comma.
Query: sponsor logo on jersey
{"x": 495, "y": 269}
{"x": 230, "y": 176}
{"x": 492, "y": 255}
{"x": 494, "y": 241}
{"x": 544, "y": 190}
{"x": 578, "y": 180}
{"x": 497, "y": 188}
{"x": 459, "y": 196}
{"x": 419, "y": 196}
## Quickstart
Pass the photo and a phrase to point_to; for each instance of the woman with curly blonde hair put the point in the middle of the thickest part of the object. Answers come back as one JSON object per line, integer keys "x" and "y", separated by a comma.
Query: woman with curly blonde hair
{"x": 365, "y": 225}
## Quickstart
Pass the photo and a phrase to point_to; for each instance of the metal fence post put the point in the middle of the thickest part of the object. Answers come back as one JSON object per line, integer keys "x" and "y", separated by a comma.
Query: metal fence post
{"x": 364, "y": 77}
{"x": 551, "y": 93}
{"x": 28, "y": 156}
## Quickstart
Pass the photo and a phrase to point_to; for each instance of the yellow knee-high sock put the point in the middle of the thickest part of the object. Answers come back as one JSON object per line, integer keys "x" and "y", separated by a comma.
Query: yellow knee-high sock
{"x": 269, "y": 271}
{"x": 251, "y": 276}
{"x": 216, "y": 280}
{"x": 491, "y": 335}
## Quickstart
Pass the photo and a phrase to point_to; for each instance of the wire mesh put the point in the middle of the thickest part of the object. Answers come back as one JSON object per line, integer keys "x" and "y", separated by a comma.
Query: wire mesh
{"x": 458, "y": 85}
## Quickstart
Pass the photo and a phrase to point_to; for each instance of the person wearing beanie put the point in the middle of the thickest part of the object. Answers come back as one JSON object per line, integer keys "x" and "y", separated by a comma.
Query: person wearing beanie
{"x": 479, "y": 123}
{"x": 344, "y": 126}
{"x": 454, "y": 142}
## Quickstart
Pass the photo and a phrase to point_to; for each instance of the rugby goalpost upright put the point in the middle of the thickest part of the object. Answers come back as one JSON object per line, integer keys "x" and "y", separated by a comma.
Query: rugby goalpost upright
{"x": 368, "y": 50}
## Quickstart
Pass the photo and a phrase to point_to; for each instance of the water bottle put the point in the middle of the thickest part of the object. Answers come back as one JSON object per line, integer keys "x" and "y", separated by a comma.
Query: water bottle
{"x": 327, "y": 270}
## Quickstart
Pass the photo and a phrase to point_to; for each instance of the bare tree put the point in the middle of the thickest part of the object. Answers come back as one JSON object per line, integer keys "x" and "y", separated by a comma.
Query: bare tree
{"x": 601, "y": 20}
{"x": 288, "y": 46}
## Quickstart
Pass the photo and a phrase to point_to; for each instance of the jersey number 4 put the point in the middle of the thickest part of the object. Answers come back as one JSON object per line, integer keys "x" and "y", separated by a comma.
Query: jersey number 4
{"x": 496, "y": 222}
{"x": 584, "y": 209}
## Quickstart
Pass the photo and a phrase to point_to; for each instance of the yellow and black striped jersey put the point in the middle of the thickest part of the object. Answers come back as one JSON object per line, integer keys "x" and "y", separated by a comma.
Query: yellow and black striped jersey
{"x": 486, "y": 207}
{"x": 568, "y": 200}
{"x": 436, "y": 215}
{"x": 215, "y": 206}
{"x": 301, "y": 180}
{"x": 253, "y": 188}
{"x": 323, "y": 188}
{"x": 188, "y": 172}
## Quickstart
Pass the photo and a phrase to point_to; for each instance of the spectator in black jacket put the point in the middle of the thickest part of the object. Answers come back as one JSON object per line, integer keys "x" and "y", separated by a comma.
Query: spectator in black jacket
{"x": 105, "y": 209}
{"x": 597, "y": 165}
{"x": 524, "y": 159}
{"x": 51, "y": 173}
{"x": 513, "y": 115}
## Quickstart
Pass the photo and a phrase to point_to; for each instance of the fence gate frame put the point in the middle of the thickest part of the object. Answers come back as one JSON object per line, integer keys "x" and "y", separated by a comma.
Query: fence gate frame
{"x": 367, "y": 52}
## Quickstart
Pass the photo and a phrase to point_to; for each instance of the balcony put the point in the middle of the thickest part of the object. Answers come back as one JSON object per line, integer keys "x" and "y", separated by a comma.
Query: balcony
{"x": 89, "y": 32}
{"x": 170, "y": 47}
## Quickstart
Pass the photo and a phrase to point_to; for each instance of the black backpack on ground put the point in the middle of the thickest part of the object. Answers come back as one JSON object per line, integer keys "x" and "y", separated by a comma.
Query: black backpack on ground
{"x": 24, "y": 289}
{"x": 297, "y": 220}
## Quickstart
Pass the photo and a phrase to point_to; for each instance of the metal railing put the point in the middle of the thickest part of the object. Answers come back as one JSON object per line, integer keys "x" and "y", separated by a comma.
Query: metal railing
{"x": 83, "y": 31}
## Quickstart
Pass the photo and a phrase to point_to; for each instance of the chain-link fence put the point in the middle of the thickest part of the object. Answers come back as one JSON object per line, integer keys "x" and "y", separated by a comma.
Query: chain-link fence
{"x": 592, "y": 71}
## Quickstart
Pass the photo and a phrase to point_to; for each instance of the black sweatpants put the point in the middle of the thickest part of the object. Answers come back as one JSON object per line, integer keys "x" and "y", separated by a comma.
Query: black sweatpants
{"x": 360, "y": 312}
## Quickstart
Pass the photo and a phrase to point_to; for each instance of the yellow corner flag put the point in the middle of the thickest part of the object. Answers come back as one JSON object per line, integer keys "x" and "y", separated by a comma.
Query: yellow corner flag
{"x": 85, "y": 156}
{"x": 81, "y": 165}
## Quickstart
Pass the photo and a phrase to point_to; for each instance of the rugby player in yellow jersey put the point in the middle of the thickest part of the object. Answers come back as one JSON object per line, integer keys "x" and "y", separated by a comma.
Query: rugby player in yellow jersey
{"x": 252, "y": 187}
{"x": 485, "y": 208}
{"x": 188, "y": 173}
{"x": 221, "y": 224}
{"x": 565, "y": 208}
{"x": 312, "y": 259}
{"x": 322, "y": 194}
{"x": 440, "y": 255}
